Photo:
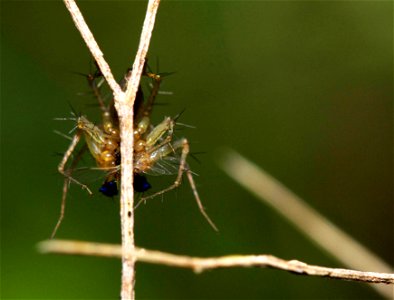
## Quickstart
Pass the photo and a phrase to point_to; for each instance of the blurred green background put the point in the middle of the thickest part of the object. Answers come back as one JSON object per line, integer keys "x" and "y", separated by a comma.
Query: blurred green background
{"x": 302, "y": 88}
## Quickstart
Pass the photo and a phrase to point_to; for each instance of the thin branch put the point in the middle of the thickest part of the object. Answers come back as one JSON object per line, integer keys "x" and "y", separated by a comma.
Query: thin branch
{"x": 124, "y": 102}
{"x": 198, "y": 264}
{"x": 93, "y": 47}
{"x": 315, "y": 226}
{"x": 146, "y": 34}
{"x": 125, "y": 111}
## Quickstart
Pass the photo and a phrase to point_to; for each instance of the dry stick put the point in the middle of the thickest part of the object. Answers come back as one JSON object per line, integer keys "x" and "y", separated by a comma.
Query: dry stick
{"x": 199, "y": 264}
{"x": 149, "y": 22}
{"x": 124, "y": 102}
{"x": 126, "y": 117}
{"x": 315, "y": 226}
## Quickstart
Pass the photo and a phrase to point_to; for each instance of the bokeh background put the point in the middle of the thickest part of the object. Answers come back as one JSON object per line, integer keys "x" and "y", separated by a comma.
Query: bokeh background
{"x": 302, "y": 88}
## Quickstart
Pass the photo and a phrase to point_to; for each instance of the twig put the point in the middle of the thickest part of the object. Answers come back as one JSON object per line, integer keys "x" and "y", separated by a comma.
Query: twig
{"x": 132, "y": 85}
{"x": 315, "y": 226}
{"x": 126, "y": 117}
{"x": 198, "y": 264}
{"x": 124, "y": 102}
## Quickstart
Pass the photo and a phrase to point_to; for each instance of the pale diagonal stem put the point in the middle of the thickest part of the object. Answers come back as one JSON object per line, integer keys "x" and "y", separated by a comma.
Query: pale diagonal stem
{"x": 311, "y": 223}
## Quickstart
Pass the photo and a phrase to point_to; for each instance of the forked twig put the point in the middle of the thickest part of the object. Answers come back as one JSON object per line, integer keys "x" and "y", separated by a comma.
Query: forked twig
{"x": 199, "y": 264}
{"x": 124, "y": 102}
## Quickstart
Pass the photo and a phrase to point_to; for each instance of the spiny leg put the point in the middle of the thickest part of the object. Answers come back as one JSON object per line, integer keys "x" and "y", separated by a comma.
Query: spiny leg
{"x": 62, "y": 207}
{"x": 183, "y": 167}
{"x": 154, "y": 136}
{"x": 146, "y": 109}
{"x": 66, "y": 156}
{"x": 154, "y": 92}
{"x": 65, "y": 187}
{"x": 95, "y": 86}
{"x": 109, "y": 114}
{"x": 198, "y": 200}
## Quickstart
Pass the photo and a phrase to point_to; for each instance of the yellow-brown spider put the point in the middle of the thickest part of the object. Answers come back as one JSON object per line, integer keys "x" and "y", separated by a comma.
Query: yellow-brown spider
{"x": 155, "y": 151}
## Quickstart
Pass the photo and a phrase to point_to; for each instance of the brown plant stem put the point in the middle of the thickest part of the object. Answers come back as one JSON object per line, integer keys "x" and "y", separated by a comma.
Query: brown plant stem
{"x": 124, "y": 102}
{"x": 199, "y": 264}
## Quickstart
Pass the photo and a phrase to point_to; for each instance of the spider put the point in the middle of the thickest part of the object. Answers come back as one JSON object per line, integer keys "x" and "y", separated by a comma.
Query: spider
{"x": 155, "y": 150}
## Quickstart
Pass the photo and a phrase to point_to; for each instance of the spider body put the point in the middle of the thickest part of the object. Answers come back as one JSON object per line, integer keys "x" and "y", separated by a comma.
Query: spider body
{"x": 103, "y": 143}
{"x": 155, "y": 151}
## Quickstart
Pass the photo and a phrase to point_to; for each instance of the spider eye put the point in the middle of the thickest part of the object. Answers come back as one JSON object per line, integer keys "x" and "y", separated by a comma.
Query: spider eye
{"x": 141, "y": 184}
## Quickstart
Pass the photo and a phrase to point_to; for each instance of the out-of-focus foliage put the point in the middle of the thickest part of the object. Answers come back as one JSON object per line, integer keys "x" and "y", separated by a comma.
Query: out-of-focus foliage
{"x": 302, "y": 88}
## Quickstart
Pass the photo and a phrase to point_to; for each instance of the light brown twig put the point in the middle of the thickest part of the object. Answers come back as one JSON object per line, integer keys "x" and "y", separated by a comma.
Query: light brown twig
{"x": 125, "y": 111}
{"x": 124, "y": 102}
{"x": 198, "y": 264}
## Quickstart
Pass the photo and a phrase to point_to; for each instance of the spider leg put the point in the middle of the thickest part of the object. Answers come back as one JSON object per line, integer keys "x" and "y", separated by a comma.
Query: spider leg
{"x": 145, "y": 109}
{"x": 67, "y": 155}
{"x": 67, "y": 180}
{"x": 165, "y": 146}
{"x": 198, "y": 200}
{"x": 62, "y": 207}
{"x": 154, "y": 92}
{"x": 183, "y": 168}
{"x": 166, "y": 126}
{"x": 109, "y": 114}
{"x": 95, "y": 86}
